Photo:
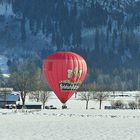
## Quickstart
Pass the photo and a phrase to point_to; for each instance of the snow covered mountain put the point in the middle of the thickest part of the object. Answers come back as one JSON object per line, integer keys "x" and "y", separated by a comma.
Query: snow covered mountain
{"x": 105, "y": 32}
{"x": 3, "y": 65}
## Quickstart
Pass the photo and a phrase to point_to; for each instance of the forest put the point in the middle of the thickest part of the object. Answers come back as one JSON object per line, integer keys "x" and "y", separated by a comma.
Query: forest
{"x": 105, "y": 32}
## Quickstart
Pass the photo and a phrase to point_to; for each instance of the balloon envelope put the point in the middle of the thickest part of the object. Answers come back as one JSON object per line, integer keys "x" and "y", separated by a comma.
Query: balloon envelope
{"x": 64, "y": 72}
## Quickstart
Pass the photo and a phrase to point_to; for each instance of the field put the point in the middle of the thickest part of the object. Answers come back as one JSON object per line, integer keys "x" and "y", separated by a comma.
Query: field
{"x": 75, "y": 123}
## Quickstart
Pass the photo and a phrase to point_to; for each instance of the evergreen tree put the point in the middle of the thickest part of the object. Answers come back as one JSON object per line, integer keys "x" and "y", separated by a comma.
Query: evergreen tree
{"x": 97, "y": 39}
{"x": 1, "y": 78}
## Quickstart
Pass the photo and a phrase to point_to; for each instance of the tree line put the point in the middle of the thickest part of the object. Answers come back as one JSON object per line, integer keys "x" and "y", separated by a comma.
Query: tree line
{"x": 114, "y": 43}
{"x": 64, "y": 20}
{"x": 111, "y": 50}
{"x": 28, "y": 79}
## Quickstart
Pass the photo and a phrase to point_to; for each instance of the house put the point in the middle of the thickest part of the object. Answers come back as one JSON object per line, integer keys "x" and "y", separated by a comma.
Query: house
{"x": 8, "y": 97}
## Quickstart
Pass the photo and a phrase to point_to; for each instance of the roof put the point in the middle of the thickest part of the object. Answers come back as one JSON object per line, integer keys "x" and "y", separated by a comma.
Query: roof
{"x": 9, "y": 98}
{"x": 6, "y": 90}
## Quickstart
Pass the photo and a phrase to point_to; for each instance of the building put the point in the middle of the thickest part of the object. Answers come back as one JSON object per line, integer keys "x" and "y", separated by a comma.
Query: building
{"x": 8, "y": 97}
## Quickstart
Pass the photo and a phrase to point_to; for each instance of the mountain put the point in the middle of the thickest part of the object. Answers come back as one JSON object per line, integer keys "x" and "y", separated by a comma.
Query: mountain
{"x": 3, "y": 65}
{"x": 105, "y": 32}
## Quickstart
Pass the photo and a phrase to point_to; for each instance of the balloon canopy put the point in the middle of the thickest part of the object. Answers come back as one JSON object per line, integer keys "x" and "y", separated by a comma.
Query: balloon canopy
{"x": 64, "y": 72}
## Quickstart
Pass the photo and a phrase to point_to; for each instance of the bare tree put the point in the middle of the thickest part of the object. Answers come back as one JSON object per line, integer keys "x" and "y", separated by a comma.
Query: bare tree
{"x": 35, "y": 95}
{"x": 118, "y": 104}
{"x": 87, "y": 95}
{"x": 44, "y": 96}
{"x": 101, "y": 91}
{"x": 40, "y": 88}
{"x": 101, "y": 87}
{"x": 3, "y": 81}
{"x": 139, "y": 103}
{"x": 132, "y": 105}
{"x": 137, "y": 97}
{"x": 36, "y": 85}
{"x": 100, "y": 96}
{"x": 22, "y": 78}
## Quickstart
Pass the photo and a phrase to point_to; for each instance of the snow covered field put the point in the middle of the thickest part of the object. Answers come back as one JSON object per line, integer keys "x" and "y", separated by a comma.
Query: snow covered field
{"x": 75, "y": 123}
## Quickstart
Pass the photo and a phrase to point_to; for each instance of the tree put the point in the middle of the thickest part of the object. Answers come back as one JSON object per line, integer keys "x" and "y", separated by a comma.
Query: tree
{"x": 117, "y": 104}
{"x": 44, "y": 97}
{"x": 139, "y": 103}
{"x": 1, "y": 78}
{"x": 87, "y": 95}
{"x": 22, "y": 78}
{"x": 132, "y": 105}
{"x": 23, "y": 29}
{"x": 101, "y": 90}
{"x": 97, "y": 39}
{"x": 137, "y": 97}
{"x": 40, "y": 87}
{"x": 100, "y": 96}
{"x": 137, "y": 100}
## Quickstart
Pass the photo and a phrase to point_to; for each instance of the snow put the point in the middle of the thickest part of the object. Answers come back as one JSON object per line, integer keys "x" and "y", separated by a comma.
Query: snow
{"x": 74, "y": 123}
{"x": 75, "y": 103}
{"x": 70, "y": 125}
{"x": 6, "y": 9}
{"x": 3, "y": 65}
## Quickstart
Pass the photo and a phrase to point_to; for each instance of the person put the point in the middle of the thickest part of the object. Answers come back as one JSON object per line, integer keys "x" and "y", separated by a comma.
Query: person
{"x": 14, "y": 107}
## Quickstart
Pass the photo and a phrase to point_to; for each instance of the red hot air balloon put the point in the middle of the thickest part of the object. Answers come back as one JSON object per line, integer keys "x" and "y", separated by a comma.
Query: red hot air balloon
{"x": 64, "y": 72}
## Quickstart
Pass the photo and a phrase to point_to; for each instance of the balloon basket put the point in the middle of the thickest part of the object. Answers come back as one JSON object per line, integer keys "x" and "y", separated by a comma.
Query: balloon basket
{"x": 64, "y": 106}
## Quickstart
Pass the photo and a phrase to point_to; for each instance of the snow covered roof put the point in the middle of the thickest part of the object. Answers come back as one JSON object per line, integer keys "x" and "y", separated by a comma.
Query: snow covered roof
{"x": 33, "y": 103}
{"x": 6, "y": 89}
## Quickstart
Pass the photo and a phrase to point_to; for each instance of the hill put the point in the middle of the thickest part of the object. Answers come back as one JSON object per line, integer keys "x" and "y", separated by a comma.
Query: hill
{"x": 104, "y": 32}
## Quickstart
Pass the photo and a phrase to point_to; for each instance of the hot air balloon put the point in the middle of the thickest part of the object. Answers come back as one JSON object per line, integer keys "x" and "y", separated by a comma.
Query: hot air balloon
{"x": 64, "y": 72}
